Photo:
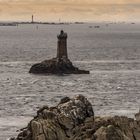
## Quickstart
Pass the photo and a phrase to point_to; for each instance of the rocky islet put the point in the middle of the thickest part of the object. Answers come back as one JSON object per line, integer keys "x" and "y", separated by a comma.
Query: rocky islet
{"x": 59, "y": 65}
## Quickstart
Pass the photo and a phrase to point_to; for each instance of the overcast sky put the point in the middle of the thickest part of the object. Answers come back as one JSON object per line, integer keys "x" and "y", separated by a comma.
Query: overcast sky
{"x": 70, "y": 10}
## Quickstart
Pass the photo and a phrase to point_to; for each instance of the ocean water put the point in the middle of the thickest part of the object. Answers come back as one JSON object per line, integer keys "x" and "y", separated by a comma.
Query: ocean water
{"x": 111, "y": 53}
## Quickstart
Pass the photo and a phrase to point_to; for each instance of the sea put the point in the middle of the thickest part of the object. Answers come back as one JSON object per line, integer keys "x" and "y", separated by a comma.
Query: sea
{"x": 109, "y": 50}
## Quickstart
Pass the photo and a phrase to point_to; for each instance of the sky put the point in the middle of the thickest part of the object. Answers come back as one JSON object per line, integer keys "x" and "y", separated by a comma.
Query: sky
{"x": 70, "y": 10}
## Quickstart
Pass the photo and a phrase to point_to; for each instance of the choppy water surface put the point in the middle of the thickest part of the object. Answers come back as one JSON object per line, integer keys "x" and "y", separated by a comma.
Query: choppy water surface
{"x": 111, "y": 53}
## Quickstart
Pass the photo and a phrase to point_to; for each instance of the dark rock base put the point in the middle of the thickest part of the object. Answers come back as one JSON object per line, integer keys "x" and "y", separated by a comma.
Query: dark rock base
{"x": 56, "y": 66}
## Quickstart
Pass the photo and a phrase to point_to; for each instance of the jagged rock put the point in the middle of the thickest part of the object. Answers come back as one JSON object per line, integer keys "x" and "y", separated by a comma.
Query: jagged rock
{"x": 56, "y": 123}
{"x": 73, "y": 119}
{"x": 108, "y": 128}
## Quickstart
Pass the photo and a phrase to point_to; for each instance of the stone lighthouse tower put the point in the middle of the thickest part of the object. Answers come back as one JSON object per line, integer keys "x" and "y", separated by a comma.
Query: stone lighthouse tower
{"x": 62, "y": 45}
{"x": 59, "y": 65}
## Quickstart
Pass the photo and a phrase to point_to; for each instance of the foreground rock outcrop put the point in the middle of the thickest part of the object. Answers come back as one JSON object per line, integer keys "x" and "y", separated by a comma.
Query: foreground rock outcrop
{"x": 73, "y": 119}
{"x": 59, "y": 65}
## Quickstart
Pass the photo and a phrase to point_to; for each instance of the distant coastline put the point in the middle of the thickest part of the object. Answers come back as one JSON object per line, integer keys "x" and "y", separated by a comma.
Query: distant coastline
{"x": 49, "y": 23}
{"x": 14, "y": 23}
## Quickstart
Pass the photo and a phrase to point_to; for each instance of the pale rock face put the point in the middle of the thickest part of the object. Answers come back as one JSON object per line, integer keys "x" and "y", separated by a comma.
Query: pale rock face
{"x": 50, "y": 130}
{"x": 78, "y": 109}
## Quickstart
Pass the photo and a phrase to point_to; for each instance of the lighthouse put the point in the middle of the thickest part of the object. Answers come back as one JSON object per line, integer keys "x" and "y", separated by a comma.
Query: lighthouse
{"x": 60, "y": 64}
{"x": 62, "y": 45}
{"x": 32, "y": 19}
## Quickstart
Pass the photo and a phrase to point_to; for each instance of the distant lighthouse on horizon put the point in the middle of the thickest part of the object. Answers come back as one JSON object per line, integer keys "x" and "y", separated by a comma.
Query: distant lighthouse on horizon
{"x": 32, "y": 19}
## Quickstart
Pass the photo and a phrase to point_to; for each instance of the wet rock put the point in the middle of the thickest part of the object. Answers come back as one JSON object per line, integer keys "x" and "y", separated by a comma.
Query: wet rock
{"x": 73, "y": 119}
{"x": 56, "y": 66}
